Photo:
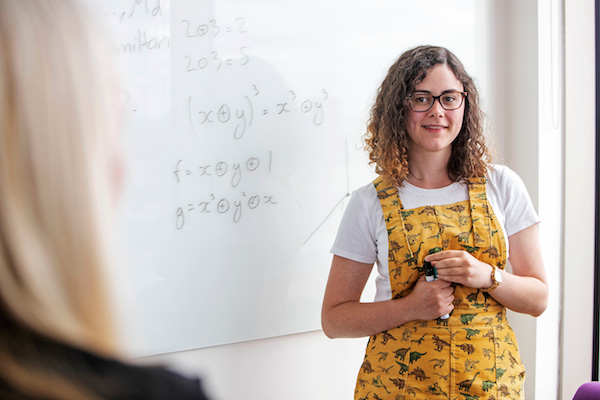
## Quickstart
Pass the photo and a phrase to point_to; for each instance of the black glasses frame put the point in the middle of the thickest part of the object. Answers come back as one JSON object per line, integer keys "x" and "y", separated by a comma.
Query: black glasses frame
{"x": 462, "y": 100}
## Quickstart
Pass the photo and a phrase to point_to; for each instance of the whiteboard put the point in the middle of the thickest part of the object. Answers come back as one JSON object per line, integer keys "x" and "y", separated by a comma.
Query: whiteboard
{"x": 245, "y": 131}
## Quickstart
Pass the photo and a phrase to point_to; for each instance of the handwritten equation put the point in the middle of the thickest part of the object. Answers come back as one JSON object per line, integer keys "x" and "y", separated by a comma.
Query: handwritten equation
{"x": 221, "y": 169}
{"x": 215, "y": 60}
{"x": 186, "y": 172}
{"x": 212, "y": 28}
{"x": 224, "y": 206}
{"x": 241, "y": 114}
{"x": 208, "y": 31}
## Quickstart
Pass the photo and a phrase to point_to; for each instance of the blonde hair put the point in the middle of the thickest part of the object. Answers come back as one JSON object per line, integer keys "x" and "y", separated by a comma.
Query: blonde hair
{"x": 55, "y": 196}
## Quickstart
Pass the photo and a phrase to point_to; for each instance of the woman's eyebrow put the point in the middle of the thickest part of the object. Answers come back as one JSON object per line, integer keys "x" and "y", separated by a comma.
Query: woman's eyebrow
{"x": 444, "y": 92}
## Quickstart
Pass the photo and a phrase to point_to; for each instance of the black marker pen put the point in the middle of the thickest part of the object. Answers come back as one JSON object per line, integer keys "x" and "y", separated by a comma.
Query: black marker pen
{"x": 430, "y": 276}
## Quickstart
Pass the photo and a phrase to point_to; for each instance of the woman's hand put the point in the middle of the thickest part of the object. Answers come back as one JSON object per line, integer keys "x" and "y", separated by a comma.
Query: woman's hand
{"x": 459, "y": 266}
{"x": 344, "y": 315}
{"x": 431, "y": 299}
{"x": 524, "y": 289}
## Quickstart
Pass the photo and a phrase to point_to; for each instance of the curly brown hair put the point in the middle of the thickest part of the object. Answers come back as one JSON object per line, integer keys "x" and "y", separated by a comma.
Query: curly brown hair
{"x": 387, "y": 139}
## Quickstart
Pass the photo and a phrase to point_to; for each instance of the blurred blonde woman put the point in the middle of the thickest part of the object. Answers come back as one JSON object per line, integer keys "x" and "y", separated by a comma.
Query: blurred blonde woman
{"x": 60, "y": 175}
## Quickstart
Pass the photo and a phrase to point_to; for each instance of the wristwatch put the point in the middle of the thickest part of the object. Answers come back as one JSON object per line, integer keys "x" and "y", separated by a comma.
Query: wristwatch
{"x": 496, "y": 279}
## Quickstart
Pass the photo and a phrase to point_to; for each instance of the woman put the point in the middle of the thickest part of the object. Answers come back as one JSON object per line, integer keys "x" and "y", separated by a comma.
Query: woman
{"x": 60, "y": 173}
{"x": 437, "y": 199}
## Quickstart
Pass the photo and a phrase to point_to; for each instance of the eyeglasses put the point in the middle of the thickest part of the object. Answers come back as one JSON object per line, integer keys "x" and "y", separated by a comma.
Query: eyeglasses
{"x": 421, "y": 101}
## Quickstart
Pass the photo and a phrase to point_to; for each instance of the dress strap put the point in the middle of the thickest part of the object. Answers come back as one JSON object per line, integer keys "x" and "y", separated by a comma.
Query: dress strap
{"x": 392, "y": 214}
{"x": 480, "y": 212}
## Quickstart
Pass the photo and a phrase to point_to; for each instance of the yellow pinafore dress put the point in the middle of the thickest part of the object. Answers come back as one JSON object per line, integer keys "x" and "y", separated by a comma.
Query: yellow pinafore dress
{"x": 473, "y": 355}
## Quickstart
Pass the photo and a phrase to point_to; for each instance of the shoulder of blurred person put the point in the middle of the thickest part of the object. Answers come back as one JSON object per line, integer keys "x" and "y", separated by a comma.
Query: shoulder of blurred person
{"x": 93, "y": 375}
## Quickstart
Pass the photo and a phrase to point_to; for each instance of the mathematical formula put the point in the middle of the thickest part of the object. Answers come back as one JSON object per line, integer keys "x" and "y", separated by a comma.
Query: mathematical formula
{"x": 241, "y": 114}
{"x": 223, "y": 206}
{"x": 212, "y": 28}
{"x": 221, "y": 169}
{"x": 215, "y": 62}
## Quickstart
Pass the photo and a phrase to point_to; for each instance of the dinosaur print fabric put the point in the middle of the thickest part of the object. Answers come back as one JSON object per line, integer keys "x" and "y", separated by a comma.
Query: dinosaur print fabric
{"x": 473, "y": 355}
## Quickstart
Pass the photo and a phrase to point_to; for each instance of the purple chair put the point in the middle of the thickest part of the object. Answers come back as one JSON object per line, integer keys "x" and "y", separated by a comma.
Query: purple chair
{"x": 588, "y": 391}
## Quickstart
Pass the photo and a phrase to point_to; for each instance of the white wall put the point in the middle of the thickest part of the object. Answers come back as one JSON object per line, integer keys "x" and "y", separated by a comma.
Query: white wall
{"x": 550, "y": 189}
{"x": 521, "y": 104}
{"x": 579, "y": 182}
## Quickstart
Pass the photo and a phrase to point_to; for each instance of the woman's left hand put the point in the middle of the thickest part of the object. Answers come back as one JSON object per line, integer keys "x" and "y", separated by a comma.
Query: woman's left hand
{"x": 524, "y": 289}
{"x": 461, "y": 267}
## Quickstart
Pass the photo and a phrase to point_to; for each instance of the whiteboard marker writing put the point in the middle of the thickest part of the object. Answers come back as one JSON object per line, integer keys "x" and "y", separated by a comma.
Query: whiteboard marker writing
{"x": 430, "y": 276}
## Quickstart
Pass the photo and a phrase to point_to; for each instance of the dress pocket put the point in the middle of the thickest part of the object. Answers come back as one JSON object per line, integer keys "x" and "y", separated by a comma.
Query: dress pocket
{"x": 473, "y": 363}
{"x": 510, "y": 372}
{"x": 428, "y": 363}
{"x": 385, "y": 367}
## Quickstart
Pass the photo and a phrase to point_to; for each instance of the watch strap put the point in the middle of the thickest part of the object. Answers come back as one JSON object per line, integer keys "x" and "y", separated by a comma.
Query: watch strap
{"x": 495, "y": 282}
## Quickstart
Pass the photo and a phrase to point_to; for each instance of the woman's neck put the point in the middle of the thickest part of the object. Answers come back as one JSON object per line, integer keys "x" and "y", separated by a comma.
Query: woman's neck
{"x": 429, "y": 171}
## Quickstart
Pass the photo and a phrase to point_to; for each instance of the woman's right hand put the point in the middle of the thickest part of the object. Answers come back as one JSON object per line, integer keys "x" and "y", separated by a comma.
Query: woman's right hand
{"x": 344, "y": 315}
{"x": 430, "y": 300}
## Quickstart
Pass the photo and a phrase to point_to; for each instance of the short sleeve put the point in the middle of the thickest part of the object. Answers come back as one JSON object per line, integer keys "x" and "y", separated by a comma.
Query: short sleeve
{"x": 356, "y": 236}
{"x": 516, "y": 203}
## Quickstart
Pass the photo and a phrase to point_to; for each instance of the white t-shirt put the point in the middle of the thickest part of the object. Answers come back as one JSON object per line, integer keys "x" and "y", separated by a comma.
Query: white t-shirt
{"x": 362, "y": 235}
